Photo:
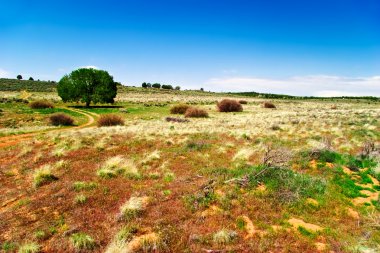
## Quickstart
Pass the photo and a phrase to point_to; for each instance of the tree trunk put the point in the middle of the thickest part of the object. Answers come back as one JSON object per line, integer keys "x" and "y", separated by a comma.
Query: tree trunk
{"x": 87, "y": 103}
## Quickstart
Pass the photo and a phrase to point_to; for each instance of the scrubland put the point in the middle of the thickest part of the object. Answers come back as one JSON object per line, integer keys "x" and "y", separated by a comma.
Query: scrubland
{"x": 301, "y": 177}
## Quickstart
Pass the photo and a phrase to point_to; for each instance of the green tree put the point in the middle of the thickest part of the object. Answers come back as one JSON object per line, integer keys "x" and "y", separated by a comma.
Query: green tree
{"x": 87, "y": 85}
{"x": 19, "y": 77}
{"x": 167, "y": 87}
{"x": 156, "y": 85}
{"x": 144, "y": 85}
{"x": 177, "y": 87}
{"x": 31, "y": 79}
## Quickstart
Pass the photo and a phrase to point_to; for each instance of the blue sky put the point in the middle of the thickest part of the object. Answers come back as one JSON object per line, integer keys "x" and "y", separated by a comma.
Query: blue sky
{"x": 324, "y": 47}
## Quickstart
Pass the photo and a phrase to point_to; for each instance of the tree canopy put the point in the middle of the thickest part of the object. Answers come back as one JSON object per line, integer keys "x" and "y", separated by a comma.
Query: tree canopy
{"x": 87, "y": 85}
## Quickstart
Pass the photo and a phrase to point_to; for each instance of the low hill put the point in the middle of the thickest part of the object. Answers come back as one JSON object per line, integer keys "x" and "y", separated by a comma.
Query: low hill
{"x": 19, "y": 85}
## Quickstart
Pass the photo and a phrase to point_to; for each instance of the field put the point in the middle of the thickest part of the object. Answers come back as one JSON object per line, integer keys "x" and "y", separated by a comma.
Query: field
{"x": 303, "y": 177}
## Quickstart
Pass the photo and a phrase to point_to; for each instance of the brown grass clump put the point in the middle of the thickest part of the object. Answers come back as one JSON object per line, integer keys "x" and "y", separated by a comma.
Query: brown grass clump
{"x": 243, "y": 102}
{"x": 229, "y": 105}
{"x": 269, "y": 105}
{"x": 179, "y": 109}
{"x": 194, "y": 112}
{"x": 110, "y": 120}
{"x": 61, "y": 119}
{"x": 334, "y": 107}
{"x": 41, "y": 104}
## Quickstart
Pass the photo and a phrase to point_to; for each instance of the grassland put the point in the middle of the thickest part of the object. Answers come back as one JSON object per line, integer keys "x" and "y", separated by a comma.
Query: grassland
{"x": 303, "y": 177}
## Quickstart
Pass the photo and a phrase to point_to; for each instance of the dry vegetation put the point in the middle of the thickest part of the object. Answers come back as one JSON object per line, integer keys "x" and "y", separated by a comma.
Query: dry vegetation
{"x": 110, "y": 120}
{"x": 301, "y": 178}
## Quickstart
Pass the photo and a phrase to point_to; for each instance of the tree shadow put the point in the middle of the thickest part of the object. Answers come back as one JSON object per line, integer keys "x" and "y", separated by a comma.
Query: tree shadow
{"x": 95, "y": 106}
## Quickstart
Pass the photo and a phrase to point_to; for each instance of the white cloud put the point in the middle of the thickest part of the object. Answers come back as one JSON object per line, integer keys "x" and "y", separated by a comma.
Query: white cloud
{"x": 315, "y": 85}
{"x": 89, "y": 67}
{"x": 4, "y": 73}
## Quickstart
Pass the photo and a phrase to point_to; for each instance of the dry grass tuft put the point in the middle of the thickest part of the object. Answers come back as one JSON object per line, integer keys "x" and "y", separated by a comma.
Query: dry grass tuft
{"x": 43, "y": 176}
{"x": 61, "y": 119}
{"x": 41, "y": 104}
{"x": 133, "y": 207}
{"x": 179, "y": 109}
{"x": 117, "y": 165}
{"x": 110, "y": 120}
{"x": 29, "y": 248}
{"x": 82, "y": 241}
{"x": 224, "y": 236}
{"x": 194, "y": 112}
{"x": 229, "y": 105}
{"x": 243, "y": 102}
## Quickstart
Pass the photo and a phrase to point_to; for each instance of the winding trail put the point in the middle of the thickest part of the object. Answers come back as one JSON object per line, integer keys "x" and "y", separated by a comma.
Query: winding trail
{"x": 8, "y": 141}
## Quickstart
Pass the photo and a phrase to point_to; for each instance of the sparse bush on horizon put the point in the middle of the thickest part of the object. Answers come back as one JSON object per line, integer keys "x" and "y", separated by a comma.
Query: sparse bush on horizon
{"x": 61, "y": 119}
{"x": 41, "y": 104}
{"x": 179, "y": 109}
{"x": 229, "y": 105}
{"x": 110, "y": 120}
{"x": 194, "y": 112}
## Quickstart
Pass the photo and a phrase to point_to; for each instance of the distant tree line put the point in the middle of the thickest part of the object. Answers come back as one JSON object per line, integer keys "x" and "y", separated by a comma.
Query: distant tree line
{"x": 280, "y": 96}
{"x": 160, "y": 86}
{"x": 19, "y": 77}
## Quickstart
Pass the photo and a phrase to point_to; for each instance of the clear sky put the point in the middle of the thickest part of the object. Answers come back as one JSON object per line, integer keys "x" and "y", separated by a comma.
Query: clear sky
{"x": 299, "y": 47}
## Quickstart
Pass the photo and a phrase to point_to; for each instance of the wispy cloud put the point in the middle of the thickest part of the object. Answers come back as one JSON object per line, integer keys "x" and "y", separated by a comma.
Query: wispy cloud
{"x": 4, "y": 73}
{"x": 315, "y": 85}
{"x": 89, "y": 67}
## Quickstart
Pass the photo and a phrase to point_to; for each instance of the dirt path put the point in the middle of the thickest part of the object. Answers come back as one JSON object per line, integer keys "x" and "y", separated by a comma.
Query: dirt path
{"x": 8, "y": 141}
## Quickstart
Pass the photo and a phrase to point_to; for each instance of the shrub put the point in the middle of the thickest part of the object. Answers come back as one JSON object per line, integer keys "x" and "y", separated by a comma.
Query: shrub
{"x": 82, "y": 241}
{"x": 269, "y": 105}
{"x": 243, "y": 102}
{"x": 179, "y": 109}
{"x": 194, "y": 112}
{"x": 41, "y": 104}
{"x": 229, "y": 105}
{"x": 110, "y": 120}
{"x": 61, "y": 119}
